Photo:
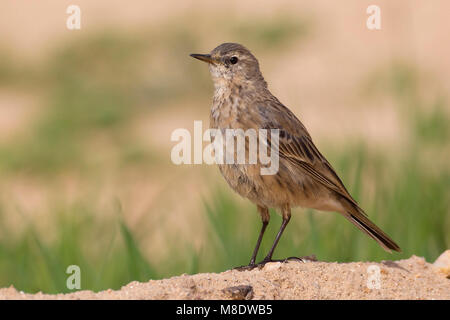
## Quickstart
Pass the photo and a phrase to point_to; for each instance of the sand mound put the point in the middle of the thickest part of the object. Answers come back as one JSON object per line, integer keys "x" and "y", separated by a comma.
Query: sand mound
{"x": 413, "y": 278}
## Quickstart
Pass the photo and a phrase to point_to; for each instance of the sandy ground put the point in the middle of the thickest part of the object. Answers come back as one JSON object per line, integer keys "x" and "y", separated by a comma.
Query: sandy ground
{"x": 413, "y": 278}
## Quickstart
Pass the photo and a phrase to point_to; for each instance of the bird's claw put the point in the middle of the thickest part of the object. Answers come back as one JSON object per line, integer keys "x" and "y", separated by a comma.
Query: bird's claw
{"x": 304, "y": 259}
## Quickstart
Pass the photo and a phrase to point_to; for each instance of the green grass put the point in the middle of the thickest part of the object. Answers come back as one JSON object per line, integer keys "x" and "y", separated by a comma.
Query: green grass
{"x": 105, "y": 250}
{"x": 410, "y": 204}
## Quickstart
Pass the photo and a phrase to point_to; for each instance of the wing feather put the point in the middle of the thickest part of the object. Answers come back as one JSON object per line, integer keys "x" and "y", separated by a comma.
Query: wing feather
{"x": 297, "y": 147}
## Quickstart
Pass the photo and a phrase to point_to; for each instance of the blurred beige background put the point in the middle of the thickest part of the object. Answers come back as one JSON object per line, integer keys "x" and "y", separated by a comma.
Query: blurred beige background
{"x": 314, "y": 77}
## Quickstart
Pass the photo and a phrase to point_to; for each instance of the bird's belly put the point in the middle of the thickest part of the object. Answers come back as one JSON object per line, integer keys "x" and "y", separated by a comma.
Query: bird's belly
{"x": 265, "y": 190}
{"x": 278, "y": 190}
{"x": 242, "y": 179}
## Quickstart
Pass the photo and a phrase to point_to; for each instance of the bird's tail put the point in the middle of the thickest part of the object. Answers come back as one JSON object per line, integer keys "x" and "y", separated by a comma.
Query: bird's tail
{"x": 357, "y": 216}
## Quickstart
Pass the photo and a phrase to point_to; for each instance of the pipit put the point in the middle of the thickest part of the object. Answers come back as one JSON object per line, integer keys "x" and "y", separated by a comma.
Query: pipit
{"x": 304, "y": 178}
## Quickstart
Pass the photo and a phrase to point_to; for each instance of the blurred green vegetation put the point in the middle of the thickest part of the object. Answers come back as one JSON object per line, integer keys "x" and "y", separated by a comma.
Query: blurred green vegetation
{"x": 104, "y": 249}
{"x": 408, "y": 202}
{"x": 96, "y": 86}
{"x": 271, "y": 34}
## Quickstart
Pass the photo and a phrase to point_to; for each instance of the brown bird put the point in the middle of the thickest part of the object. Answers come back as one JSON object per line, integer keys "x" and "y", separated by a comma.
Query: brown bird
{"x": 304, "y": 178}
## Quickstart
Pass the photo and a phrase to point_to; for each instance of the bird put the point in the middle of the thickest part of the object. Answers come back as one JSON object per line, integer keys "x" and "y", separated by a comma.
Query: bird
{"x": 304, "y": 177}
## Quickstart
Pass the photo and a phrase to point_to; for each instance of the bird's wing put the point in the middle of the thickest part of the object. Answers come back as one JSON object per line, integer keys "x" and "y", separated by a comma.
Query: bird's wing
{"x": 297, "y": 147}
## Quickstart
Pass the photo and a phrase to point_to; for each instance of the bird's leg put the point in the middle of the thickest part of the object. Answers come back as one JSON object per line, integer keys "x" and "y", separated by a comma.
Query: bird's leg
{"x": 286, "y": 218}
{"x": 268, "y": 258}
{"x": 258, "y": 243}
{"x": 265, "y": 217}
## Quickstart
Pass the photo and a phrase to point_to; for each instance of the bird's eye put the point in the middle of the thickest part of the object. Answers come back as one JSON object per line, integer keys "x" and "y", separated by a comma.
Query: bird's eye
{"x": 233, "y": 60}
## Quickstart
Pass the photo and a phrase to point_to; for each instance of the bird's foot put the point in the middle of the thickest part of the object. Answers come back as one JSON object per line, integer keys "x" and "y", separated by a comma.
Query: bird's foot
{"x": 258, "y": 265}
{"x": 261, "y": 264}
{"x": 298, "y": 259}
{"x": 248, "y": 267}
{"x": 252, "y": 265}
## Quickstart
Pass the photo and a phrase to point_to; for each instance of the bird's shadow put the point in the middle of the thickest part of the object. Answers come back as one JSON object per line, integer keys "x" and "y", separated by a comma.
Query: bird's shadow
{"x": 392, "y": 264}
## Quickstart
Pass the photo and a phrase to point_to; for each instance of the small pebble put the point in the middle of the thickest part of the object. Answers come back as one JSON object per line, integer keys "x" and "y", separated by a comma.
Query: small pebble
{"x": 243, "y": 292}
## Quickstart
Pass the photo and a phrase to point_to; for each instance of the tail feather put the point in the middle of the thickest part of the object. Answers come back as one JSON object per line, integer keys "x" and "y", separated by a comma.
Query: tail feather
{"x": 374, "y": 232}
{"x": 357, "y": 216}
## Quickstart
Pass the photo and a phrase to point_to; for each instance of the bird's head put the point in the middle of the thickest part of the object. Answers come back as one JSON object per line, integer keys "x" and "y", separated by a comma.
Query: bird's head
{"x": 232, "y": 63}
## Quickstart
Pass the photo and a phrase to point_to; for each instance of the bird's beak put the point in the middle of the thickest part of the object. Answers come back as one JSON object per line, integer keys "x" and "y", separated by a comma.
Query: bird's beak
{"x": 203, "y": 57}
